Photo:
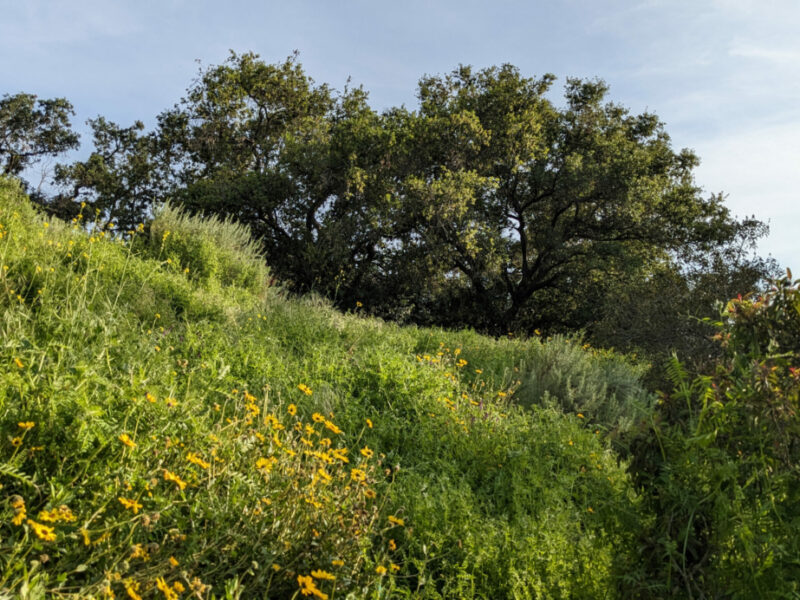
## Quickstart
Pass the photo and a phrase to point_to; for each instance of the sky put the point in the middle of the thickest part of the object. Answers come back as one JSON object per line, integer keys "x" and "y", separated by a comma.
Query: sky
{"x": 723, "y": 75}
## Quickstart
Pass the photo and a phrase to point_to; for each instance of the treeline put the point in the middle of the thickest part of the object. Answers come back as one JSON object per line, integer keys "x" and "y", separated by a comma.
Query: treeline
{"x": 488, "y": 205}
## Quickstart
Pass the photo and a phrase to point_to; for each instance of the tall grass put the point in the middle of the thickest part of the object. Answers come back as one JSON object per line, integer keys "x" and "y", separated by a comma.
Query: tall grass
{"x": 172, "y": 433}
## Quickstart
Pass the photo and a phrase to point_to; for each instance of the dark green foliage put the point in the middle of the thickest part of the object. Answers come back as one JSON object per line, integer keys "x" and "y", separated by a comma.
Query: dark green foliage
{"x": 31, "y": 129}
{"x": 719, "y": 467}
{"x": 487, "y": 206}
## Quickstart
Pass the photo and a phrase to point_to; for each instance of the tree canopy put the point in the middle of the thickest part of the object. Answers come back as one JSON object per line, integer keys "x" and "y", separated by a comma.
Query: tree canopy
{"x": 488, "y": 205}
{"x": 32, "y": 128}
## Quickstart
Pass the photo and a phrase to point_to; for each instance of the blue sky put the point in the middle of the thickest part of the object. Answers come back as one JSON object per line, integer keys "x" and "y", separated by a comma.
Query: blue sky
{"x": 724, "y": 75}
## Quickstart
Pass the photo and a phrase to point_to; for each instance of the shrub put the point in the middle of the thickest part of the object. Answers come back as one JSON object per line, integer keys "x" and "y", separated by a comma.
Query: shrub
{"x": 213, "y": 250}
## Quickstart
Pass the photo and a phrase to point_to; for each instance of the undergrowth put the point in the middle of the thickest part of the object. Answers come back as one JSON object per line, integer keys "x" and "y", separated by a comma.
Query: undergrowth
{"x": 172, "y": 426}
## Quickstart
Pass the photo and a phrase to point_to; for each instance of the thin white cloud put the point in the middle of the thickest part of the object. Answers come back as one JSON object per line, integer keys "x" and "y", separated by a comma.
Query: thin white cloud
{"x": 780, "y": 56}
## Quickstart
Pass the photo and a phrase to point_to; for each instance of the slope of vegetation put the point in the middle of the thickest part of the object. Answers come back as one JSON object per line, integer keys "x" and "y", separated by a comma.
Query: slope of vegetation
{"x": 172, "y": 426}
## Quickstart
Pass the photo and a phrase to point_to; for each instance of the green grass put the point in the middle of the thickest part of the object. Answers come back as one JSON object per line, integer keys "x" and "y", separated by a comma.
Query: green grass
{"x": 491, "y": 456}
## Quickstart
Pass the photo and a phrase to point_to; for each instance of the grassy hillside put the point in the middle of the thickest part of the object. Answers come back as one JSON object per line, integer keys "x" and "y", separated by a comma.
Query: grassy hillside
{"x": 174, "y": 427}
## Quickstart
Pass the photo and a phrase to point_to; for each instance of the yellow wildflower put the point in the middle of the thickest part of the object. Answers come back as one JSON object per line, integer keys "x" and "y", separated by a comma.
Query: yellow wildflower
{"x": 132, "y": 587}
{"x": 365, "y": 451}
{"x": 126, "y": 439}
{"x": 339, "y": 454}
{"x": 19, "y": 363}
{"x": 357, "y": 475}
{"x": 18, "y": 504}
{"x": 169, "y": 476}
{"x": 168, "y": 592}
{"x": 317, "y": 418}
{"x": 392, "y": 545}
{"x": 139, "y": 552}
{"x": 42, "y": 531}
{"x": 333, "y": 427}
{"x": 292, "y": 410}
{"x": 309, "y": 588}
{"x": 305, "y": 389}
{"x": 396, "y": 521}
{"x": 265, "y": 464}
{"x": 26, "y": 425}
{"x": 16, "y": 442}
{"x": 320, "y": 574}
{"x": 394, "y": 567}
{"x": 380, "y": 570}
{"x": 194, "y": 459}
{"x": 178, "y": 587}
{"x": 130, "y": 504}
{"x": 150, "y": 398}
{"x": 337, "y": 563}
{"x": 369, "y": 423}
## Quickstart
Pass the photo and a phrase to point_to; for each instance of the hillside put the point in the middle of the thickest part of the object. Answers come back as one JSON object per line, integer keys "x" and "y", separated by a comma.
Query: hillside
{"x": 172, "y": 426}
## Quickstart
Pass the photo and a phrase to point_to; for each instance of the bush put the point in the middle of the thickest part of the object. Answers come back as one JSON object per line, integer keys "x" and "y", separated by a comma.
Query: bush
{"x": 213, "y": 250}
{"x": 720, "y": 465}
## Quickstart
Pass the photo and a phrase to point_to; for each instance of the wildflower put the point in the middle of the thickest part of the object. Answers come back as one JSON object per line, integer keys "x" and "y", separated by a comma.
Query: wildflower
{"x": 395, "y": 568}
{"x": 178, "y": 587}
{"x": 380, "y": 570}
{"x": 26, "y": 425}
{"x": 139, "y": 552}
{"x": 317, "y": 418}
{"x": 461, "y": 363}
{"x": 309, "y": 588}
{"x": 265, "y": 464}
{"x": 16, "y": 442}
{"x": 580, "y": 415}
{"x": 196, "y": 460}
{"x": 369, "y": 423}
{"x": 126, "y": 439}
{"x": 370, "y": 494}
{"x": 392, "y": 545}
{"x": 324, "y": 474}
{"x": 168, "y": 592}
{"x": 132, "y": 587}
{"x": 359, "y": 304}
{"x": 337, "y": 563}
{"x": 479, "y": 371}
{"x": 42, "y": 531}
{"x": 320, "y": 574}
{"x": 292, "y": 410}
{"x": 169, "y": 476}
{"x": 357, "y": 475}
{"x": 339, "y": 454}
{"x": 333, "y": 427}
{"x": 365, "y": 451}
{"x": 18, "y": 504}
{"x": 86, "y": 539}
{"x": 396, "y": 521}
{"x": 19, "y": 363}
{"x": 130, "y": 504}
{"x": 304, "y": 388}
{"x": 173, "y": 562}
{"x": 590, "y": 509}
{"x": 150, "y": 398}
{"x": 62, "y": 513}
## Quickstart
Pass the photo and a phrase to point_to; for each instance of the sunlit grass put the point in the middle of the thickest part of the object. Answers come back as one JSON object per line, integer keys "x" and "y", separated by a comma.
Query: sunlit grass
{"x": 170, "y": 430}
